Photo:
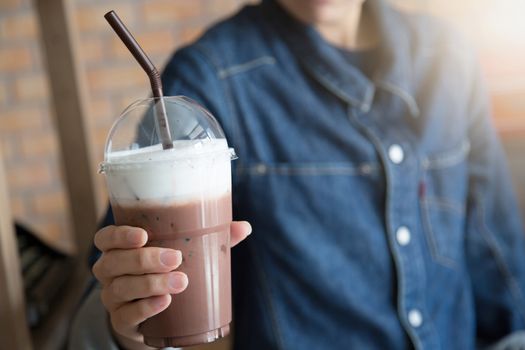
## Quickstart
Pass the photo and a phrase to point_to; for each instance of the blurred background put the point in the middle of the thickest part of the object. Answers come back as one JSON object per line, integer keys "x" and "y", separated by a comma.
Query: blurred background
{"x": 28, "y": 137}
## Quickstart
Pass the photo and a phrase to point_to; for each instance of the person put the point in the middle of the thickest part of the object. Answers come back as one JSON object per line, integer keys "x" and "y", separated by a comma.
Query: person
{"x": 382, "y": 211}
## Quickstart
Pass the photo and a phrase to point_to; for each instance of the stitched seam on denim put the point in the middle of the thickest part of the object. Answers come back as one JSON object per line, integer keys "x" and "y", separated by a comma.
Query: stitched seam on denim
{"x": 260, "y": 272}
{"x": 245, "y": 67}
{"x": 367, "y": 101}
{"x": 510, "y": 280}
{"x": 445, "y": 204}
{"x": 327, "y": 83}
{"x": 431, "y": 239}
{"x": 390, "y": 236}
{"x": 304, "y": 169}
{"x": 237, "y": 135}
{"x": 447, "y": 158}
{"x": 403, "y": 94}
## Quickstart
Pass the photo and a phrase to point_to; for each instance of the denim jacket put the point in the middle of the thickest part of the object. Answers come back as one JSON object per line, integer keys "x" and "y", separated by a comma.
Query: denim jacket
{"x": 382, "y": 211}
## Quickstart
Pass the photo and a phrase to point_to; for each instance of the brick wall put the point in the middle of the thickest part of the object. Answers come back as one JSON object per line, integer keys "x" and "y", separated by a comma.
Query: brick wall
{"x": 27, "y": 136}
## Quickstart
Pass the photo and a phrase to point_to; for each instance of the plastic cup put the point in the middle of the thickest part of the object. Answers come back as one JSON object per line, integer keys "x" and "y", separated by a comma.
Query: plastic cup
{"x": 182, "y": 198}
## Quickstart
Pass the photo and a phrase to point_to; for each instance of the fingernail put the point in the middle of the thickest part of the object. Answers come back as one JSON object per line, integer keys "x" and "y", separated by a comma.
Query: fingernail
{"x": 134, "y": 236}
{"x": 249, "y": 226}
{"x": 178, "y": 281}
{"x": 170, "y": 257}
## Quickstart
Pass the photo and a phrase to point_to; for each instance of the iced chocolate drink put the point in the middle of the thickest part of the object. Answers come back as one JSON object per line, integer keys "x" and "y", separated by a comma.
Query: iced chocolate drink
{"x": 182, "y": 198}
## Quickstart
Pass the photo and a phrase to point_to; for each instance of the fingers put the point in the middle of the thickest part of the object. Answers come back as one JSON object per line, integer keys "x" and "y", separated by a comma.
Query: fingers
{"x": 239, "y": 231}
{"x": 128, "y": 237}
{"x": 129, "y": 288}
{"x": 120, "y": 237}
{"x": 139, "y": 261}
{"x": 126, "y": 319}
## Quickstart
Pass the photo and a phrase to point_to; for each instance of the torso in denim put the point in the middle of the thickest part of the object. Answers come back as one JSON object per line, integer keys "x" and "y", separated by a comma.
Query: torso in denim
{"x": 382, "y": 213}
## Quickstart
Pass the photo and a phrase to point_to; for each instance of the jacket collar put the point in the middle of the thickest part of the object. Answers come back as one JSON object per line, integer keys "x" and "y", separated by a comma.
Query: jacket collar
{"x": 328, "y": 66}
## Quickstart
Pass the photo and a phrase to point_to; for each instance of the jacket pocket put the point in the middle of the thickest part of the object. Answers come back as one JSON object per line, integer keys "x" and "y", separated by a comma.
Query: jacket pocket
{"x": 443, "y": 196}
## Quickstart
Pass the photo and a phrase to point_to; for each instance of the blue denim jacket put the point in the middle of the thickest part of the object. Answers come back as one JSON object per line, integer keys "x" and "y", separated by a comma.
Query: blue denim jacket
{"x": 383, "y": 215}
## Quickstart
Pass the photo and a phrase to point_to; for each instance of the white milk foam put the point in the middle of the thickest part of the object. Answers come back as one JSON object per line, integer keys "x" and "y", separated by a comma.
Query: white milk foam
{"x": 192, "y": 170}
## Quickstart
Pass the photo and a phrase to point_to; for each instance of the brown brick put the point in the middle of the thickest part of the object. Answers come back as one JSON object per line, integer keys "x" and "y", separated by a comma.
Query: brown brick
{"x": 49, "y": 203}
{"x": 223, "y": 7}
{"x": 171, "y": 11}
{"x": 21, "y": 26}
{"x": 508, "y": 111}
{"x": 18, "y": 206}
{"x": 26, "y": 176}
{"x": 131, "y": 96}
{"x": 115, "y": 78}
{"x": 510, "y": 106}
{"x": 101, "y": 109}
{"x": 153, "y": 42}
{"x": 9, "y": 4}
{"x": 3, "y": 94}
{"x": 99, "y": 139}
{"x": 16, "y": 120}
{"x": 57, "y": 233}
{"x": 38, "y": 145}
{"x": 31, "y": 88}
{"x": 14, "y": 59}
{"x": 189, "y": 34}
{"x": 117, "y": 50}
{"x": 102, "y": 202}
{"x": 7, "y": 148}
{"x": 92, "y": 49}
{"x": 90, "y": 18}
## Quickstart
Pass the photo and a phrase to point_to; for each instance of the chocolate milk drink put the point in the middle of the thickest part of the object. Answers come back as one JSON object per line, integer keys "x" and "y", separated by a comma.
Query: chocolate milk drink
{"x": 182, "y": 198}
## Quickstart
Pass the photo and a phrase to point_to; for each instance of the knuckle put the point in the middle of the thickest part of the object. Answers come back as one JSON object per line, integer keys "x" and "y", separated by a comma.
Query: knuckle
{"x": 144, "y": 309}
{"x": 96, "y": 269}
{"x": 151, "y": 285}
{"x": 104, "y": 266}
{"x": 113, "y": 237}
{"x": 142, "y": 259}
{"x": 117, "y": 289}
{"x": 101, "y": 236}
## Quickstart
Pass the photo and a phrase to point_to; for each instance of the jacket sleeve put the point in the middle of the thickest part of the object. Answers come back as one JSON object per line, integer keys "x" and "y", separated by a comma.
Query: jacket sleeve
{"x": 193, "y": 72}
{"x": 495, "y": 244}
{"x": 90, "y": 327}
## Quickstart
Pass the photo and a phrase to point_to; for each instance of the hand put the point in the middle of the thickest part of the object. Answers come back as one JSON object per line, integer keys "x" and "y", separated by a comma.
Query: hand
{"x": 137, "y": 281}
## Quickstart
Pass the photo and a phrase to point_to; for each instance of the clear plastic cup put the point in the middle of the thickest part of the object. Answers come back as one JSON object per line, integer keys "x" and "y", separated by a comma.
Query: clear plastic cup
{"x": 182, "y": 198}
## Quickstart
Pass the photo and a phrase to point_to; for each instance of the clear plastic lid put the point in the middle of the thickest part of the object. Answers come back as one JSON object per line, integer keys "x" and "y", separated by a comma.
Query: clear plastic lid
{"x": 134, "y": 136}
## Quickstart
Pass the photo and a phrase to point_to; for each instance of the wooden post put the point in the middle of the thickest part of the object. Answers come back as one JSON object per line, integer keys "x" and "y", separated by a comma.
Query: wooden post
{"x": 69, "y": 101}
{"x": 14, "y": 332}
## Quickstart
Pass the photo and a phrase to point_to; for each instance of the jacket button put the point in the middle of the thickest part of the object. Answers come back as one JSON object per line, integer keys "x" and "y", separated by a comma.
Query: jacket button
{"x": 403, "y": 235}
{"x": 396, "y": 154}
{"x": 261, "y": 169}
{"x": 415, "y": 318}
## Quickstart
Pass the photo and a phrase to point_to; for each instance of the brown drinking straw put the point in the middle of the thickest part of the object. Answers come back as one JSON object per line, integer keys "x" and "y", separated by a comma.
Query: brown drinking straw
{"x": 152, "y": 72}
